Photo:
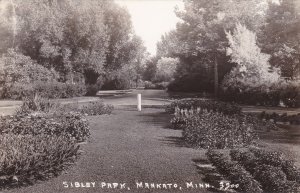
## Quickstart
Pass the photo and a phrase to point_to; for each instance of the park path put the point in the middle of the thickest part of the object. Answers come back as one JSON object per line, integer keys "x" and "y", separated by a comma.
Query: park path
{"x": 129, "y": 147}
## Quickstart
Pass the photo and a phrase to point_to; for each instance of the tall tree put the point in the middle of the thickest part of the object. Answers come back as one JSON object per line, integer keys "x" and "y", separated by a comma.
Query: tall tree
{"x": 252, "y": 68}
{"x": 280, "y": 37}
{"x": 201, "y": 38}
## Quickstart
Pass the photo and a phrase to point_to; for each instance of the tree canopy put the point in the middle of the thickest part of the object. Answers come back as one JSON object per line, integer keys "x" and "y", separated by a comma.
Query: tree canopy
{"x": 93, "y": 38}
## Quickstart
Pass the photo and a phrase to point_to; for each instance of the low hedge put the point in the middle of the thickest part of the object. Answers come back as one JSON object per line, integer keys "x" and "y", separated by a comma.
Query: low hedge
{"x": 26, "y": 158}
{"x": 270, "y": 168}
{"x": 194, "y": 103}
{"x": 258, "y": 171}
{"x": 283, "y": 93}
{"x": 277, "y": 159}
{"x": 71, "y": 125}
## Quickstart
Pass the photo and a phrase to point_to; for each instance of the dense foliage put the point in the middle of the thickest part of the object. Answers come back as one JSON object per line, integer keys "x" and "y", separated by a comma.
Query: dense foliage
{"x": 257, "y": 170}
{"x": 274, "y": 172}
{"x": 27, "y": 158}
{"x": 252, "y": 70}
{"x": 216, "y": 130}
{"x": 199, "y": 41}
{"x": 249, "y": 47}
{"x": 234, "y": 172}
{"x": 77, "y": 42}
{"x": 252, "y": 80}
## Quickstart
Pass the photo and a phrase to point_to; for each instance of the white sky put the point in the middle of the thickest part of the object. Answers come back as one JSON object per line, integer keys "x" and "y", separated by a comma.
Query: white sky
{"x": 152, "y": 18}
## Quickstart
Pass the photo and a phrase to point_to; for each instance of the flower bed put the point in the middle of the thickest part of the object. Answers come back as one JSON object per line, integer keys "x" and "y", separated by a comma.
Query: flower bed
{"x": 70, "y": 125}
{"x": 215, "y": 125}
{"x": 181, "y": 117}
{"x": 194, "y": 103}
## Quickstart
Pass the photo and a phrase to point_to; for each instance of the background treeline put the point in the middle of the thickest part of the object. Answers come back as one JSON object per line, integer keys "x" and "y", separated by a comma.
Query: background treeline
{"x": 236, "y": 49}
{"x": 64, "y": 48}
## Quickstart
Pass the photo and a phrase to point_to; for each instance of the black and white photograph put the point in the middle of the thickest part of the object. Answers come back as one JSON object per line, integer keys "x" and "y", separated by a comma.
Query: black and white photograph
{"x": 149, "y": 96}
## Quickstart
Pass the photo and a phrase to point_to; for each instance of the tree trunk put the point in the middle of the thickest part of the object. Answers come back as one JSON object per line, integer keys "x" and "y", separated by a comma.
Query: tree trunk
{"x": 216, "y": 77}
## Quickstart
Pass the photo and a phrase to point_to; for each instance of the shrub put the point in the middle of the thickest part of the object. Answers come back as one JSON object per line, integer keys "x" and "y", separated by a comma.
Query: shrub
{"x": 277, "y": 159}
{"x": 31, "y": 157}
{"x": 216, "y": 130}
{"x": 71, "y": 125}
{"x": 234, "y": 172}
{"x": 291, "y": 171}
{"x": 92, "y": 89}
{"x": 119, "y": 79}
{"x": 18, "y": 69}
{"x": 273, "y": 158}
{"x": 271, "y": 178}
{"x": 245, "y": 158}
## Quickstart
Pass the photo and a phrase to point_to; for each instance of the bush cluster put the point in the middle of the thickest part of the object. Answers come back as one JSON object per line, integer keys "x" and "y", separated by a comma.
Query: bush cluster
{"x": 216, "y": 130}
{"x": 274, "y": 172}
{"x": 46, "y": 89}
{"x": 292, "y": 119}
{"x": 234, "y": 172}
{"x": 70, "y": 125}
{"x": 25, "y": 158}
{"x": 194, "y": 103}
